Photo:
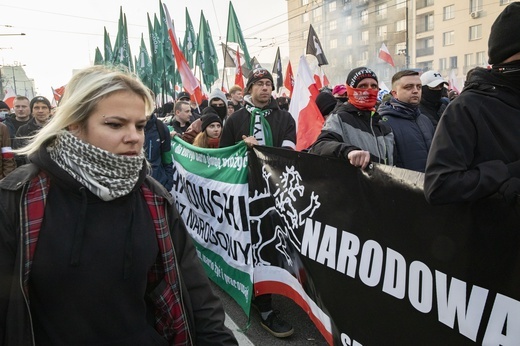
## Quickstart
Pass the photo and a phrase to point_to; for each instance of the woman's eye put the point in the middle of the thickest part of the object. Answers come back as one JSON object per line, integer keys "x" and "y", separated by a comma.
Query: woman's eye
{"x": 114, "y": 125}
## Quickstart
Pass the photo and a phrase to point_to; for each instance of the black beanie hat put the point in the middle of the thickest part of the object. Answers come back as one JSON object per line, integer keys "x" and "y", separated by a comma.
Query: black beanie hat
{"x": 326, "y": 103}
{"x": 257, "y": 74}
{"x": 358, "y": 74}
{"x": 503, "y": 43}
{"x": 209, "y": 115}
{"x": 4, "y": 105}
{"x": 40, "y": 99}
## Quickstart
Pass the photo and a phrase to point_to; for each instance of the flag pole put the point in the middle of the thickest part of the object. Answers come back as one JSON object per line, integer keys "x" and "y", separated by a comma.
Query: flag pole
{"x": 224, "y": 68}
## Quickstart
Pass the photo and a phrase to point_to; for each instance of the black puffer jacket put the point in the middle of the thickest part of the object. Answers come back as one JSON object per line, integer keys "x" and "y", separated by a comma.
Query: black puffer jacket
{"x": 413, "y": 133}
{"x": 475, "y": 148}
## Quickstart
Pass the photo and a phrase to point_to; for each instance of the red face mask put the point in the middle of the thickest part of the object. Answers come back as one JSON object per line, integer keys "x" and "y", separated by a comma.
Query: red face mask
{"x": 364, "y": 99}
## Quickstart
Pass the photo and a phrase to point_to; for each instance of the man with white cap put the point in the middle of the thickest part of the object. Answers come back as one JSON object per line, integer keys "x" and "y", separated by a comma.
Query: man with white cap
{"x": 433, "y": 103}
{"x": 475, "y": 151}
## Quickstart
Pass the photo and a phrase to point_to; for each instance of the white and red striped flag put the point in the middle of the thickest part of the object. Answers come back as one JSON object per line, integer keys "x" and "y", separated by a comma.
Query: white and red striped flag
{"x": 189, "y": 82}
{"x": 303, "y": 108}
{"x": 384, "y": 55}
{"x": 9, "y": 97}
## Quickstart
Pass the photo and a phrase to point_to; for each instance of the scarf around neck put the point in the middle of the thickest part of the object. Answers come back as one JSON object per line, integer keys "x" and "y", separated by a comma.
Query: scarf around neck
{"x": 107, "y": 175}
{"x": 259, "y": 127}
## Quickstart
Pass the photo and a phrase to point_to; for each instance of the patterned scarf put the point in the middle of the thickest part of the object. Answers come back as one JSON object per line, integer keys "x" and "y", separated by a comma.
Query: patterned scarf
{"x": 260, "y": 128}
{"x": 105, "y": 174}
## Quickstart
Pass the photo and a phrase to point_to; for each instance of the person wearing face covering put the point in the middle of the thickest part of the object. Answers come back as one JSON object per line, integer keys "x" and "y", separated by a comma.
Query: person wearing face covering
{"x": 475, "y": 152}
{"x": 217, "y": 101}
{"x": 354, "y": 130}
{"x": 92, "y": 249}
{"x": 433, "y": 103}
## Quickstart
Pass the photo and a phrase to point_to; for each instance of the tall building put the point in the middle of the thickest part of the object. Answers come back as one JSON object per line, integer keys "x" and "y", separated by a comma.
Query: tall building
{"x": 14, "y": 77}
{"x": 445, "y": 35}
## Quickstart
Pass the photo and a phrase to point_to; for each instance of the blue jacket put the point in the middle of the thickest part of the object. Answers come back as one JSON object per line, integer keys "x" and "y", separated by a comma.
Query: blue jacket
{"x": 413, "y": 133}
{"x": 158, "y": 152}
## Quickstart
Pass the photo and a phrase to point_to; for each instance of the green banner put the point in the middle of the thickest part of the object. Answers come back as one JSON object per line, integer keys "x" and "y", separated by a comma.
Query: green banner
{"x": 211, "y": 194}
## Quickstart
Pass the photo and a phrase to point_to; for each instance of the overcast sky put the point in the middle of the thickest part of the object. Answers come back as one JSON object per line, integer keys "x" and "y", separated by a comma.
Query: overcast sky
{"x": 62, "y": 35}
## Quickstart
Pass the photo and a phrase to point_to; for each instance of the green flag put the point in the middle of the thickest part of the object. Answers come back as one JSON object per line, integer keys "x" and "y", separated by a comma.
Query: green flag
{"x": 234, "y": 34}
{"x": 168, "y": 59}
{"x": 155, "y": 57}
{"x": 108, "y": 48}
{"x": 189, "y": 40}
{"x": 98, "y": 59}
{"x": 210, "y": 50}
{"x": 143, "y": 65}
{"x": 122, "y": 54}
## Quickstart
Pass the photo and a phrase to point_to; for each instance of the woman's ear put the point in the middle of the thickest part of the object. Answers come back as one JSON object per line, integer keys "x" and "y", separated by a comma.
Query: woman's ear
{"x": 74, "y": 129}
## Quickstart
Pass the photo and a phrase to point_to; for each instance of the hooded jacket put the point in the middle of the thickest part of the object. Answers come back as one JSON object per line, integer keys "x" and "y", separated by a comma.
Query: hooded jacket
{"x": 347, "y": 128}
{"x": 475, "y": 146}
{"x": 283, "y": 126}
{"x": 176, "y": 269}
{"x": 413, "y": 133}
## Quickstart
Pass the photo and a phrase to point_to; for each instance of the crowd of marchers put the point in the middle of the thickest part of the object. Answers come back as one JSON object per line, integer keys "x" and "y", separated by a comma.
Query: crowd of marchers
{"x": 85, "y": 170}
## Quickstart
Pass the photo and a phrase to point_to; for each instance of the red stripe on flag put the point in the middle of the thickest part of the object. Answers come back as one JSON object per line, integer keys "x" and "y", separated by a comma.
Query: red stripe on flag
{"x": 276, "y": 287}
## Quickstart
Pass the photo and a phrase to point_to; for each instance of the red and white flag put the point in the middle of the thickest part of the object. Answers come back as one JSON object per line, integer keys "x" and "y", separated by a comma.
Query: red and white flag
{"x": 189, "y": 82}
{"x": 320, "y": 78}
{"x": 303, "y": 108}
{"x": 9, "y": 97}
{"x": 239, "y": 79}
{"x": 7, "y": 153}
{"x": 58, "y": 93}
{"x": 384, "y": 55}
{"x": 288, "y": 81}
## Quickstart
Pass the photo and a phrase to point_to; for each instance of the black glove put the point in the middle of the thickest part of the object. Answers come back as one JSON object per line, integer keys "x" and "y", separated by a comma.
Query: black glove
{"x": 510, "y": 190}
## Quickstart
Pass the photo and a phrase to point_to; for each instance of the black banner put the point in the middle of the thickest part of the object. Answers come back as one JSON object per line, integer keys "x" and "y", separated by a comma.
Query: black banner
{"x": 382, "y": 265}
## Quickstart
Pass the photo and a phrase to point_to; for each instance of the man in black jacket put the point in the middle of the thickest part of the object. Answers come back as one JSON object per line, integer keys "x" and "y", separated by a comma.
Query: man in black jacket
{"x": 475, "y": 150}
{"x": 413, "y": 131}
{"x": 261, "y": 122}
{"x": 40, "y": 109}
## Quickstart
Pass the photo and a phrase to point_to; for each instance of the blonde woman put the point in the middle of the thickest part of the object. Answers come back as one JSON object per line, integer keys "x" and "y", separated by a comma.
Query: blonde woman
{"x": 92, "y": 250}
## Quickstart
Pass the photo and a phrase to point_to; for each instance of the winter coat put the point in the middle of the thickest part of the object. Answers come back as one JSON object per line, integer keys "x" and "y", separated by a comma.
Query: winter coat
{"x": 7, "y": 163}
{"x": 21, "y": 139}
{"x": 413, "y": 133}
{"x": 201, "y": 309}
{"x": 158, "y": 152}
{"x": 283, "y": 126}
{"x": 348, "y": 128}
{"x": 476, "y": 142}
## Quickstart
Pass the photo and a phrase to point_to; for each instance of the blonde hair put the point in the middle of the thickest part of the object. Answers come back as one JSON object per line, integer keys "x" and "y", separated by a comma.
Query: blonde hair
{"x": 201, "y": 140}
{"x": 82, "y": 94}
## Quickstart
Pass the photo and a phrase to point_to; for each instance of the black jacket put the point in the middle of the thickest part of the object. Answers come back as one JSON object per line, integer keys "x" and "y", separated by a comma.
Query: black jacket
{"x": 283, "y": 126}
{"x": 205, "y": 314}
{"x": 413, "y": 133}
{"x": 348, "y": 128}
{"x": 475, "y": 147}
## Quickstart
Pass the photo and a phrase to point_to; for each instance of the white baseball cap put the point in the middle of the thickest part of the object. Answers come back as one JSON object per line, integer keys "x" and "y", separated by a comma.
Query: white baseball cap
{"x": 432, "y": 79}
